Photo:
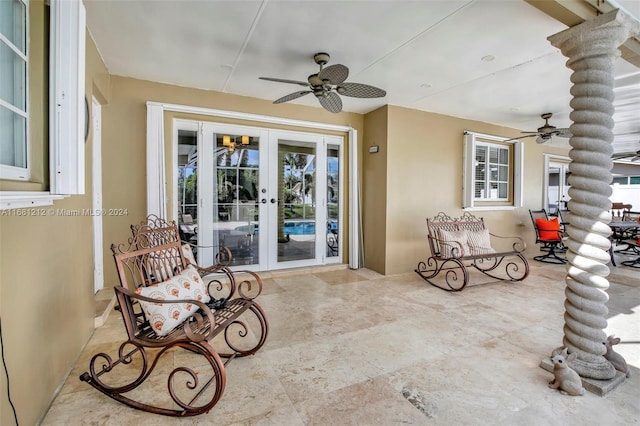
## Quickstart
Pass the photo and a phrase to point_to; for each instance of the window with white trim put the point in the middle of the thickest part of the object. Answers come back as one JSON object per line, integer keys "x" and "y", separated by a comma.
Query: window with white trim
{"x": 492, "y": 172}
{"x": 66, "y": 93}
{"x": 66, "y": 100}
{"x": 14, "y": 153}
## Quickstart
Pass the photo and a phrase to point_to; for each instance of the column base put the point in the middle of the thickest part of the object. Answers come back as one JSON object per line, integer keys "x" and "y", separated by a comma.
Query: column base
{"x": 598, "y": 387}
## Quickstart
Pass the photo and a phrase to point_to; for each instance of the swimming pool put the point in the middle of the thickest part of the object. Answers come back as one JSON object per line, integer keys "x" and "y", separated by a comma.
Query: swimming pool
{"x": 299, "y": 228}
{"x": 304, "y": 227}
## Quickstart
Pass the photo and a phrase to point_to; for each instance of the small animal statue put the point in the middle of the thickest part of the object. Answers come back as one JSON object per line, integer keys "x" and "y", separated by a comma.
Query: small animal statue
{"x": 565, "y": 378}
{"x": 615, "y": 358}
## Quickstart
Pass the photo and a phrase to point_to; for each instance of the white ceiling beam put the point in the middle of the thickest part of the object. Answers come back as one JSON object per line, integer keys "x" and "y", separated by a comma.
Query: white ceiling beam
{"x": 574, "y": 12}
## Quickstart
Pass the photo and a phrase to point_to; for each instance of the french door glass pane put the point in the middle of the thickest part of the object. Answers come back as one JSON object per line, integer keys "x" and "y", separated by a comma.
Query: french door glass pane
{"x": 333, "y": 200}
{"x": 188, "y": 186}
{"x": 236, "y": 211}
{"x": 556, "y": 188}
{"x": 13, "y": 137}
{"x": 296, "y": 201}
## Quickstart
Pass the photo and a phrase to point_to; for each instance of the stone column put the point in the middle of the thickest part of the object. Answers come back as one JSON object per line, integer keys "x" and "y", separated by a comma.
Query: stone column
{"x": 592, "y": 48}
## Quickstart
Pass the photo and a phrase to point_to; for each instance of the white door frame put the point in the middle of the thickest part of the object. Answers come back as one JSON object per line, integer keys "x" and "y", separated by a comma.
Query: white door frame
{"x": 548, "y": 159}
{"x": 96, "y": 198}
{"x": 156, "y": 183}
{"x": 321, "y": 215}
{"x": 269, "y": 145}
{"x": 206, "y": 148}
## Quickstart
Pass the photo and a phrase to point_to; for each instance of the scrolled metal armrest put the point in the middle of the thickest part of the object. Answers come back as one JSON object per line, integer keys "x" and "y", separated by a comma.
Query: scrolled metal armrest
{"x": 213, "y": 269}
{"x": 197, "y": 317}
{"x": 186, "y": 326}
{"x": 224, "y": 252}
{"x": 457, "y": 251}
{"x": 519, "y": 245}
{"x": 244, "y": 285}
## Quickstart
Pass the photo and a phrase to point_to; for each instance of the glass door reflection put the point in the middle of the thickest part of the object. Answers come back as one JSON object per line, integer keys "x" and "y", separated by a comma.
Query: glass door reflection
{"x": 272, "y": 198}
{"x": 296, "y": 202}
{"x": 235, "y": 202}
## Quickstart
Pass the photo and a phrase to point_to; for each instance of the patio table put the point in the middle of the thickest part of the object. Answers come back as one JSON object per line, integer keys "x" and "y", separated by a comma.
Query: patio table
{"x": 618, "y": 227}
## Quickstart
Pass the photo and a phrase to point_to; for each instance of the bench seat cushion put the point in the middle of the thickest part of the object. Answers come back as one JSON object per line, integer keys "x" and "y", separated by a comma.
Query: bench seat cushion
{"x": 165, "y": 317}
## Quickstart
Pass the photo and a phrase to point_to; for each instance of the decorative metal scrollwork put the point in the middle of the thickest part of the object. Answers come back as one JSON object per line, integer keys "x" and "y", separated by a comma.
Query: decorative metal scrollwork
{"x": 187, "y": 399}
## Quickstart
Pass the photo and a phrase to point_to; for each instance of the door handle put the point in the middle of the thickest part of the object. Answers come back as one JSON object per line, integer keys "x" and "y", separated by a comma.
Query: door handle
{"x": 263, "y": 201}
{"x": 273, "y": 201}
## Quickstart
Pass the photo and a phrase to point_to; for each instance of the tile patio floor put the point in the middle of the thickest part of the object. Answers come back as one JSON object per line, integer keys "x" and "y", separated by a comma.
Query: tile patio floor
{"x": 351, "y": 347}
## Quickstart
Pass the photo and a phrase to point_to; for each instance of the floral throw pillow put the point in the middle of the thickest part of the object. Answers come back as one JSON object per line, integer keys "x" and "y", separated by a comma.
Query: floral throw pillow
{"x": 188, "y": 254}
{"x": 165, "y": 317}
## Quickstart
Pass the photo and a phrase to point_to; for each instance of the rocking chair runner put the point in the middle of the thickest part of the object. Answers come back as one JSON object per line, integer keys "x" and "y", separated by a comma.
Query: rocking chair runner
{"x": 154, "y": 262}
{"x": 548, "y": 235}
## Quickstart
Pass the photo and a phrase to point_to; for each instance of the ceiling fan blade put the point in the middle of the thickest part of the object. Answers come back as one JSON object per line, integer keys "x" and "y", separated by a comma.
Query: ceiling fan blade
{"x": 331, "y": 102}
{"x": 543, "y": 139}
{"x": 632, "y": 156}
{"x": 336, "y": 74}
{"x": 357, "y": 90}
{"x": 283, "y": 80}
{"x": 563, "y": 133}
{"x": 292, "y": 96}
{"x": 522, "y": 137}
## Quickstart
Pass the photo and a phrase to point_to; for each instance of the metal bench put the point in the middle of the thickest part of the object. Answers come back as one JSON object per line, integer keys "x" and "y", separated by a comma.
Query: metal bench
{"x": 452, "y": 255}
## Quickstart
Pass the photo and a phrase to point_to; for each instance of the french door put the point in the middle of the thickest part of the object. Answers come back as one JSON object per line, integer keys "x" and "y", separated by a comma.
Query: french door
{"x": 557, "y": 185}
{"x": 272, "y": 197}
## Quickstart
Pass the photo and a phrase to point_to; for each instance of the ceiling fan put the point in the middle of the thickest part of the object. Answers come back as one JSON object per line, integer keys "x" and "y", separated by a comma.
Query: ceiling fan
{"x": 328, "y": 84}
{"x": 632, "y": 156}
{"x": 545, "y": 132}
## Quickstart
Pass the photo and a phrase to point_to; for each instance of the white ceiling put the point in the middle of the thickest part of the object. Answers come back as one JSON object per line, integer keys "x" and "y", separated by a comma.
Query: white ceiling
{"x": 426, "y": 54}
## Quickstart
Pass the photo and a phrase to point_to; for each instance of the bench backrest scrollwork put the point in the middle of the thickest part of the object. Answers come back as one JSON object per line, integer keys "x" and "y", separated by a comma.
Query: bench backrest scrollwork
{"x": 140, "y": 264}
{"x": 155, "y": 231}
{"x": 442, "y": 221}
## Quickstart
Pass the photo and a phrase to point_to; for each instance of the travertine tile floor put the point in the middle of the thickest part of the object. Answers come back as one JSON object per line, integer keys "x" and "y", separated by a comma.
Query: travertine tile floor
{"x": 351, "y": 347}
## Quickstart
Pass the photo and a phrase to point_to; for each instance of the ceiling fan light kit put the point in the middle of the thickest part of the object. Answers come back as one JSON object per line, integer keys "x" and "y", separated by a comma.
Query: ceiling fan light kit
{"x": 328, "y": 84}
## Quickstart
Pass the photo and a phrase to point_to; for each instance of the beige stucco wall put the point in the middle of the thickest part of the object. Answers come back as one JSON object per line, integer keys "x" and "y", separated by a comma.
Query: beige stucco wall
{"x": 124, "y": 131}
{"x": 421, "y": 165}
{"x": 46, "y": 261}
{"x": 374, "y": 189}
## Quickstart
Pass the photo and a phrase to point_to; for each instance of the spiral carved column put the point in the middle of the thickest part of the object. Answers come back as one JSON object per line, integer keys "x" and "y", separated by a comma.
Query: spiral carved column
{"x": 592, "y": 48}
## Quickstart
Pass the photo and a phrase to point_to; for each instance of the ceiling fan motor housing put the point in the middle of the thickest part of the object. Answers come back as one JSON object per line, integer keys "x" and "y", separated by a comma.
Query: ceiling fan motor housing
{"x": 321, "y": 58}
{"x": 319, "y": 91}
{"x": 314, "y": 80}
